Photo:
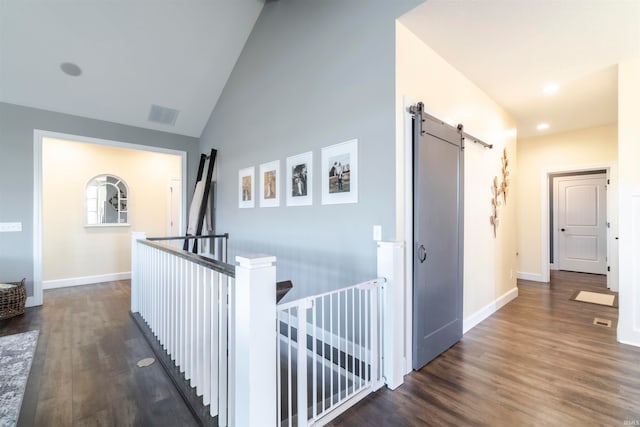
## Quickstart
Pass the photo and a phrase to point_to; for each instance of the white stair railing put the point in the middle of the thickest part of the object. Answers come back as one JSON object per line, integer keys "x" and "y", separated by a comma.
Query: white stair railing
{"x": 329, "y": 351}
{"x": 210, "y": 319}
{"x": 221, "y": 326}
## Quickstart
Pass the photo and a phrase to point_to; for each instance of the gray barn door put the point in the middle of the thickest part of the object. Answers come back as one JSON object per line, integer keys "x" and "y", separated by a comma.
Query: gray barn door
{"x": 438, "y": 237}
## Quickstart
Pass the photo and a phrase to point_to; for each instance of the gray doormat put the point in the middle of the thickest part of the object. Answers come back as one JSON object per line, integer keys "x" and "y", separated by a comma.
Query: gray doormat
{"x": 16, "y": 354}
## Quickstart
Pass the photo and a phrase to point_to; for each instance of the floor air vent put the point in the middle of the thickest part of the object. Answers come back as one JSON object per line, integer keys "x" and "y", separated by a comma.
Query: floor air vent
{"x": 602, "y": 322}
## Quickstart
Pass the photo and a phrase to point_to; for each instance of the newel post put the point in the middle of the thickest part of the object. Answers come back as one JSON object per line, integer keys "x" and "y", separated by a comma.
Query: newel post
{"x": 391, "y": 266}
{"x": 135, "y": 262}
{"x": 253, "y": 376}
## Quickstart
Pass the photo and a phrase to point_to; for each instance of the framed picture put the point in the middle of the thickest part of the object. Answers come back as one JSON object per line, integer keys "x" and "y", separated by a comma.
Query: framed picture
{"x": 270, "y": 184}
{"x": 300, "y": 179}
{"x": 339, "y": 173}
{"x": 246, "y": 193}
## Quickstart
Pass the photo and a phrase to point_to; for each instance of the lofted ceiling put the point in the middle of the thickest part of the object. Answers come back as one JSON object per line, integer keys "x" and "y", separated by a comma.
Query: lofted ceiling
{"x": 132, "y": 53}
{"x": 511, "y": 49}
{"x": 137, "y": 53}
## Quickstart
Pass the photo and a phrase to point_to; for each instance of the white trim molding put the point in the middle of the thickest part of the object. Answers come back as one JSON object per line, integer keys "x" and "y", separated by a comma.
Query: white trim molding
{"x": 534, "y": 277}
{"x": 31, "y": 302}
{"x": 38, "y": 136}
{"x": 612, "y": 199}
{"x": 629, "y": 297}
{"x": 85, "y": 280}
{"x": 486, "y": 311}
{"x": 404, "y": 164}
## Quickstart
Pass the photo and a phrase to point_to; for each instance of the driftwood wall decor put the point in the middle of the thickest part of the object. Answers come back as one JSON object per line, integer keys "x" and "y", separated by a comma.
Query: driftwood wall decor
{"x": 498, "y": 189}
{"x": 493, "y": 219}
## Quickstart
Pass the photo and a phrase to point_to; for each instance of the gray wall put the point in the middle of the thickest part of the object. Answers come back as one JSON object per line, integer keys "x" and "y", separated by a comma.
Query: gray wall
{"x": 312, "y": 74}
{"x": 16, "y": 172}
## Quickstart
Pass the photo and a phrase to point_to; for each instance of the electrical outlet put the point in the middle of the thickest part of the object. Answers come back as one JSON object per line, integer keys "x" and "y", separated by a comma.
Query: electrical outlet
{"x": 7, "y": 227}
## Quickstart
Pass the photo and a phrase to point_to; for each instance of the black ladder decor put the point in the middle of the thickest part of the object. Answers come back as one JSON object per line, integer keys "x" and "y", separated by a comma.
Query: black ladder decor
{"x": 205, "y": 197}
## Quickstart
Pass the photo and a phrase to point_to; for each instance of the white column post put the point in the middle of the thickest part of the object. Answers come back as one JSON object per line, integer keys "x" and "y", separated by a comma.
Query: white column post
{"x": 135, "y": 285}
{"x": 391, "y": 266}
{"x": 254, "y": 400}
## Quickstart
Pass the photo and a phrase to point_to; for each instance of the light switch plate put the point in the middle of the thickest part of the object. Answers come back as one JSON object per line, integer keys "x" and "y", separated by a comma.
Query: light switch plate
{"x": 377, "y": 233}
{"x": 7, "y": 227}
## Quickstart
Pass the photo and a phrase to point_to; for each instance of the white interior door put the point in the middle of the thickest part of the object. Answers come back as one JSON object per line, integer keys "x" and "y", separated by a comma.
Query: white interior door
{"x": 582, "y": 223}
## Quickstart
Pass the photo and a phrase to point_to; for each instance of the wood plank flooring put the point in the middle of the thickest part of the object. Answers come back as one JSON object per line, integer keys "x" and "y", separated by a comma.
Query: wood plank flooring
{"x": 537, "y": 361}
{"x": 84, "y": 371}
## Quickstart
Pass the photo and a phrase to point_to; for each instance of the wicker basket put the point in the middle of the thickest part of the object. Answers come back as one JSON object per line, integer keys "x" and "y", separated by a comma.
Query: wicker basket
{"x": 12, "y": 300}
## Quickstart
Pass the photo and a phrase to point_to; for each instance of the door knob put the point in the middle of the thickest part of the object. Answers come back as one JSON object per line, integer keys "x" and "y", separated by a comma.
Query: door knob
{"x": 562, "y": 229}
{"x": 422, "y": 253}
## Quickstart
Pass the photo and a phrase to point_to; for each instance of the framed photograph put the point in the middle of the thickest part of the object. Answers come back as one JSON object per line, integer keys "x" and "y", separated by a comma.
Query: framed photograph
{"x": 300, "y": 179}
{"x": 339, "y": 173}
{"x": 246, "y": 192}
{"x": 270, "y": 184}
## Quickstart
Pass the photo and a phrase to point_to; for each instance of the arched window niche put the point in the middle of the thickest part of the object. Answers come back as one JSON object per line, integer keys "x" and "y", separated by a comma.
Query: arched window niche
{"x": 107, "y": 201}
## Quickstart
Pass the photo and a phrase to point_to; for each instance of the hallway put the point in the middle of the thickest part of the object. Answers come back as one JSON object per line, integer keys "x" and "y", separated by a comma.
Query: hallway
{"x": 539, "y": 360}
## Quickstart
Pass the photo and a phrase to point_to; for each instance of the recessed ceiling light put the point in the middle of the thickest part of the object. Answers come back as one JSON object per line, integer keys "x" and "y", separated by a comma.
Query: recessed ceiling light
{"x": 550, "y": 88}
{"x": 70, "y": 69}
{"x": 542, "y": 126}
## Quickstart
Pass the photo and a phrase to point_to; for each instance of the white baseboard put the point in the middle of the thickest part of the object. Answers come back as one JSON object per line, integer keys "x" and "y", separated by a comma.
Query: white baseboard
{"x": 486, "y": 311}
{"x": 534, "y": 277}
{"x": 634, "y": 342}
{"x": 31, "y": 302}
{"x": 628, "y": 336}
{"x": 86, "y": 280}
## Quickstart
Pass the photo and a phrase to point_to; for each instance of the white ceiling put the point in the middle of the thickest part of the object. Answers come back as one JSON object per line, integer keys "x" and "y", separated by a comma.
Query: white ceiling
{"x": 512, "y": 48}
{"x": 180, "y": 54}
{"x": 176, "y": 54}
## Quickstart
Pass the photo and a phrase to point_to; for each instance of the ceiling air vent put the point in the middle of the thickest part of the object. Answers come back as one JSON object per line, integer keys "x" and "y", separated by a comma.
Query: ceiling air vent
{"x": 163, "y": 115}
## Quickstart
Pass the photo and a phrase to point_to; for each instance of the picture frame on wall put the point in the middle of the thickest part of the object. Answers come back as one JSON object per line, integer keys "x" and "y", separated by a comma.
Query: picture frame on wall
{"x": 270, "y": 184}
{"x": 339, "y": 173}
{"x": 246, "y": 188}
{"x": 300, "y": 179}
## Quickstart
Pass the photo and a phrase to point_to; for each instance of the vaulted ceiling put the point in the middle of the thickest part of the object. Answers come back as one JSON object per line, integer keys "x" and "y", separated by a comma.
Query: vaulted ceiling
{"x": 137, "y": 53}
{"x": 132, "y": 53}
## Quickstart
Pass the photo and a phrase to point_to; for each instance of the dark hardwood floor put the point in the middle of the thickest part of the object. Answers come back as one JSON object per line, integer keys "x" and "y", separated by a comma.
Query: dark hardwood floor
{"x": 538, "y": 361}
{"x": 84, "y": 371}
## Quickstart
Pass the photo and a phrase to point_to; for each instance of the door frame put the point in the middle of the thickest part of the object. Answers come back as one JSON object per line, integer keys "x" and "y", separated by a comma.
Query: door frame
{"x": 38, "y": 136}
{"x": 611, "y": 169}
{"x": 170, "y": 182}
{"x": 407, "y": 166}
{"x": 554, "y": 242}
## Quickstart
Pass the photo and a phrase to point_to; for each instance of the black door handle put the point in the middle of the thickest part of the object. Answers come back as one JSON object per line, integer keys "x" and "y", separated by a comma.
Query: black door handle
{"x": 562, "y": 229}
{"x": 422, "y": 253}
